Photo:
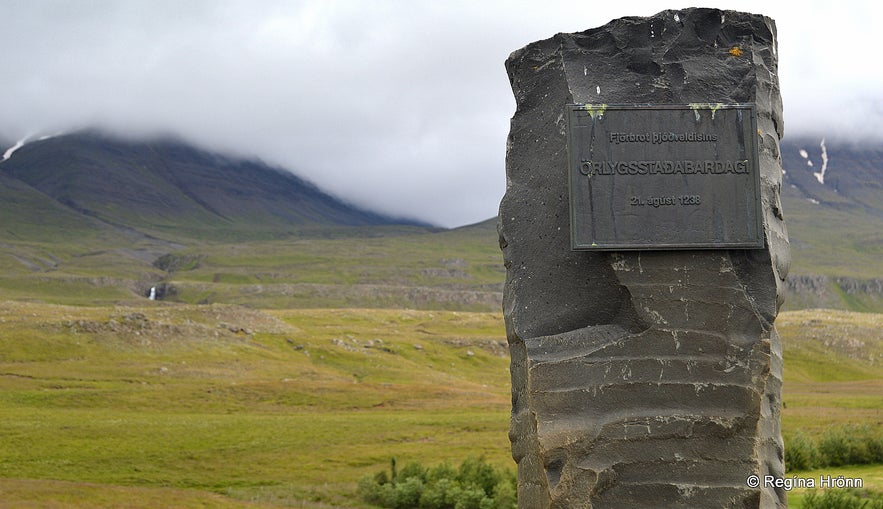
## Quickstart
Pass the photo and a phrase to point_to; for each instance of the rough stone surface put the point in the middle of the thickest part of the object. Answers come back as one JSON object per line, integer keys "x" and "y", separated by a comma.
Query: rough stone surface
{"x": 641, "y": 379}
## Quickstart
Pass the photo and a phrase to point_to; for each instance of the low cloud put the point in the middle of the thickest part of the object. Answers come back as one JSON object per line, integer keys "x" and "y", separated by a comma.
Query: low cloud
{"x": 400, "y": 106}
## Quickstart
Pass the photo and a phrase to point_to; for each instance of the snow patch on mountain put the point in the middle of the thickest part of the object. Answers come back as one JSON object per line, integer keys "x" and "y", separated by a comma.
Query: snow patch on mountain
{"x": 19, "y": 144}
{"x": 22, "y": 142}
{"x": 804, "y": 154}
{"x": 820, "y": 175}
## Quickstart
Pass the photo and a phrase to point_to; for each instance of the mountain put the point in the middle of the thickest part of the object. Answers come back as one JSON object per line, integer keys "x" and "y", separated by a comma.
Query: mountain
{"x": 166, "y": 187}
{"x": 832, "y": 196}
{"x": 90, "y": 219}
{"x": 840, "y": 175}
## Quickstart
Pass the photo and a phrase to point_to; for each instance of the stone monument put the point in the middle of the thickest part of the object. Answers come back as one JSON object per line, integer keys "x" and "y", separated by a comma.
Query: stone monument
{"x": 646, "y": 251}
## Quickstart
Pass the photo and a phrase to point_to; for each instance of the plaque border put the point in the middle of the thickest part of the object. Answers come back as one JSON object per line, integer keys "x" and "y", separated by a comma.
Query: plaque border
{"x": 758, "y": 242}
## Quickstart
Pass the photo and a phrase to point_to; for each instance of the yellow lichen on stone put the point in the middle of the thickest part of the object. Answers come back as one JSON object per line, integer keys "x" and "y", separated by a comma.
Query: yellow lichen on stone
{"x": 736, "y": 51}
{"x": 595, "y": 110}
{"x": 713, "y": 107}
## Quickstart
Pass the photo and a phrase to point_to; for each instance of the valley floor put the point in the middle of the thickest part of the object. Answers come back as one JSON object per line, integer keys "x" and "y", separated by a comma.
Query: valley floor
{"x": 223, "y": 406}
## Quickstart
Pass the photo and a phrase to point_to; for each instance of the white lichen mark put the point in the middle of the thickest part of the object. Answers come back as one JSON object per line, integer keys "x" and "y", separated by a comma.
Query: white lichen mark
{"x": 686, "y": 490}
{"x": 620, "y": 264}
{"x": 561, "y": 123}
{"x": 663, "y": 363}
{"x": 726, "y": 266}
{"x": 655, "y": 316}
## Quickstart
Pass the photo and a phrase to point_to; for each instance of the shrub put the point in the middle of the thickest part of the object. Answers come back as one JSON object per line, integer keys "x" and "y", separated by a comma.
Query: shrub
{"x": 407, "y": 493}
{"x": 412, "y": 470}
{"x": 801, "y": 453}
{"x": 477, "y": 472}
{"x": 471, "y": 497}
{"x": 374, "y": 492}
{"x": 474, "y": 485}
{"x": 441, "y": 471}
{"x": 506, "y": 493}
{"x": 440, "y": 494}
{"x": 841, "y": 446}
{"x": 843, "y": 499}
{"x": 837, "y": 446}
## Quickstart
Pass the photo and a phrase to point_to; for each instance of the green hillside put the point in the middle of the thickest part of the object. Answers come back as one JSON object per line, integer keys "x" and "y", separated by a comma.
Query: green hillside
{"x": 91, "y": 220}
{"x": 835, "y": 227}
{"x": 219, "y": 405}
{"x": 457, "y": 269}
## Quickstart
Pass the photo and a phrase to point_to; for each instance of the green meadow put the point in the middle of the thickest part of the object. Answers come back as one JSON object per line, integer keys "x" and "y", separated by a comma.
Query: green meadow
{"x": 376, "y": 267}
{"x": 181, "y": 405}
{"x": 229, "y": 405}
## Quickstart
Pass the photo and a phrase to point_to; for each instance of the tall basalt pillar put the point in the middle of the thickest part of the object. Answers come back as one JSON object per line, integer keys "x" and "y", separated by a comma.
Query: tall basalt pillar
{"x": 646, "y": 378}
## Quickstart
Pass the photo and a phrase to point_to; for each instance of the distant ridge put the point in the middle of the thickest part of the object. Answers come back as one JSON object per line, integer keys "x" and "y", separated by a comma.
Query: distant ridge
{"x": 833, "y": 173}
{"x": 87, "y": 218}
{"x": 831, "y": 197}
{"x": 166, "y": 185}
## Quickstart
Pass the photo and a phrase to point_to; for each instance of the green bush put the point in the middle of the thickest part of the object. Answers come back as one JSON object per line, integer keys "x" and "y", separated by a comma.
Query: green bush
{"x": 506, "y": 493}
{"x": 374, "y": 492}
{"x": 850, "y": 445}
{"x": 474, "y": 485}
{"x": 412, "y": 470}
{"x": 476, "y": 472}
{"x": 843, "y": 499}
{"x": 407, "y": 493}
{"x": 801, "y": 453}
{"x": 441, "y": 471}
{"x": 838, "y": 446}
{"x": 440, "y": 494}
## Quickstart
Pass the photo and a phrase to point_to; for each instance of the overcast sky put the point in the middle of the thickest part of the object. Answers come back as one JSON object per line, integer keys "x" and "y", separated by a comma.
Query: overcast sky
{"x": 402, "y": 106}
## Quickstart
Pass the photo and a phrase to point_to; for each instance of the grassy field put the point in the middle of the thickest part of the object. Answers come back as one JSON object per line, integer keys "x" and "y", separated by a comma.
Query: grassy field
{"x": 454, "y": 270}
{"x": 390, "y": 267}
{"x": 823, "y": 238}
{"x": 376, "y": 267}
{"x": 223, "y": 406}
{"x": 277, "y": 407}
{"x": 833, "y": 378}
{"x": 833, "y": 363}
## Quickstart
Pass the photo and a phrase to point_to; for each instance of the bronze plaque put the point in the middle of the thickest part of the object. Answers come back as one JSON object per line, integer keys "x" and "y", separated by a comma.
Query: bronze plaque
{"x": 648, "y": 177}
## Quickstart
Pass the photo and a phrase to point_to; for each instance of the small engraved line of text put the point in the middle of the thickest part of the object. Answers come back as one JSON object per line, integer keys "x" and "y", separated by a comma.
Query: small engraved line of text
{"x": 660, "y": 137}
